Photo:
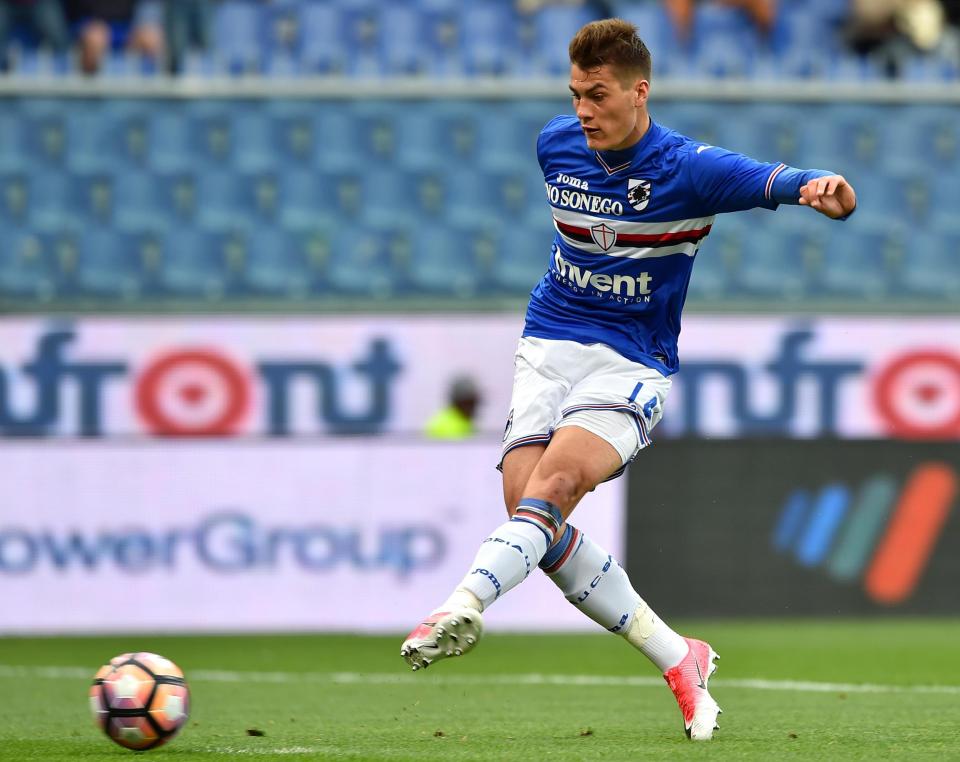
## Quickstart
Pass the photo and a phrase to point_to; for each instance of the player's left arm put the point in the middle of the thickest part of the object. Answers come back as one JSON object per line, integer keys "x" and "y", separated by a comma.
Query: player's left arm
{"x": 831, "y": 195}
{"x": 730, "y": 182}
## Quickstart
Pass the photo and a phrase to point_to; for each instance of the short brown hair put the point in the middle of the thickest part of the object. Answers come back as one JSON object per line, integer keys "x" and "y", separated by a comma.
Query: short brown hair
{"x": 614, "y": 42}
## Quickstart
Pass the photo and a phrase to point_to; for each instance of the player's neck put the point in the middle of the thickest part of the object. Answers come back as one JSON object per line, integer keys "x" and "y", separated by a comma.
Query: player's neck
{"x": 637, "y": 134}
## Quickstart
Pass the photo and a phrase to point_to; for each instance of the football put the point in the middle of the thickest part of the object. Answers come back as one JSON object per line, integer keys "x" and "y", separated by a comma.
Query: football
{"x": 140, "y": 700}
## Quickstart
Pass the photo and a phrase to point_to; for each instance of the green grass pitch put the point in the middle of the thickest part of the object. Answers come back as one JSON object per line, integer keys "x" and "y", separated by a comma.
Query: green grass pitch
{"x": 865, "y": 690}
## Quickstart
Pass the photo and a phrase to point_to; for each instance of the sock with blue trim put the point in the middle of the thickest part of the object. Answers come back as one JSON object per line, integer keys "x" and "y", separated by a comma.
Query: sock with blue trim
{"x": 509, "y": 554}
{"x": 593, "y": 581}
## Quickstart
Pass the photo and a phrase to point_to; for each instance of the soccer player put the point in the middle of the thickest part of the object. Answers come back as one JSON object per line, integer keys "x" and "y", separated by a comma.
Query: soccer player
{"x": 631, "y": 201}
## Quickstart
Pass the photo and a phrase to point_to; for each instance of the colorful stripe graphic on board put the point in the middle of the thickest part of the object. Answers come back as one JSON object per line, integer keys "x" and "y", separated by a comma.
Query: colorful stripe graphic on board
{"x": 882, "y": 532}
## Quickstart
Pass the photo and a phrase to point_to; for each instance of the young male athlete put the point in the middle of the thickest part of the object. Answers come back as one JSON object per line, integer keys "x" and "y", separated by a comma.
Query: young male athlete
{"x": 631, "y": 202}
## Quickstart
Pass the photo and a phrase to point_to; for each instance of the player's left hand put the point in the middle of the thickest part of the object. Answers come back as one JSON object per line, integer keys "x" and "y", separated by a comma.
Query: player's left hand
{"x": 831, "y": 195}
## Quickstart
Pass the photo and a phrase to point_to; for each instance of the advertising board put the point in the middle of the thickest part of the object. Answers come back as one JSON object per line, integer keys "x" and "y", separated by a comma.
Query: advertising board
{"x": 789, "y": 527}
{"x": 365, "y": 534}
{"x": 852, "y": 377}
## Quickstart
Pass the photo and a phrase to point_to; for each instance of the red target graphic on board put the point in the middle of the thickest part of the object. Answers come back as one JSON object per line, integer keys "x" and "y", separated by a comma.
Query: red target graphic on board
{"x": 196, "y": 392}
{"x": 918, "y": 395}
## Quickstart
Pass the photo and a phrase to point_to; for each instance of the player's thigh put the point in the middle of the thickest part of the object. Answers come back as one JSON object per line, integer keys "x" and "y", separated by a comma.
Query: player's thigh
{"x": 518, "y": 466}
{"x": 575, "y": 461}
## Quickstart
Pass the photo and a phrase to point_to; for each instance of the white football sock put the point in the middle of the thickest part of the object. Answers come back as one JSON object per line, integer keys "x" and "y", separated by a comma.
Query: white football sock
{"x": 593, "y": 581}
{"x": 511, "y": 552}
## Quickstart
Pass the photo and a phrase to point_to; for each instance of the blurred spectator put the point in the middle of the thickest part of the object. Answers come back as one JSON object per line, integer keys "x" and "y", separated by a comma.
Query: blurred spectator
{"x": 186, "y": 26}
{"x": 102, "y": 25}
{"x": 763, "y": 13}
{"x": 894, "y": 31}
{"x": 42, "y": 19}
{"x": 455, "y": 421}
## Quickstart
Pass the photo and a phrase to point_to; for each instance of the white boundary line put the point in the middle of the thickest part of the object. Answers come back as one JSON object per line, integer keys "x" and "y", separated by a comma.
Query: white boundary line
{"x": 386, "y": 678}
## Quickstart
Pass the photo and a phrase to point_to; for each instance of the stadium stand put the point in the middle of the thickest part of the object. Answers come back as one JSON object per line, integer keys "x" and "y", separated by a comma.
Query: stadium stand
{"x": 183, "y": 200}
{"x": 356, "y": 201}
{"x": 441, "y": 38}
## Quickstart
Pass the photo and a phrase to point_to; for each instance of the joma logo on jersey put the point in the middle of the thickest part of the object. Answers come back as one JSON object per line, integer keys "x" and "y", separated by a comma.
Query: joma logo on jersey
{"x": 618, "y": 285}
{"x": 584, "y": 202}
{"x": 576, "y": 182}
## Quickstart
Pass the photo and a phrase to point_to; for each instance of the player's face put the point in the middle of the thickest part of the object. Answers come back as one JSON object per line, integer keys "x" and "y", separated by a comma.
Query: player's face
{"x": 612, "y": 113}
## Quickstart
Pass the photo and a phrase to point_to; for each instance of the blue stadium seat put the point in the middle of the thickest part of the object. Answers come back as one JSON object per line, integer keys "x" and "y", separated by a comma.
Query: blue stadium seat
{"x": 472, "y": 196}
{"x": 489, "y": 37}
{"x": 360, "y": 263}
{"x": 253, "y": 139}
{"x": 293, "y": 131}
{"x": 856, "y": 137}
{"x": 174, "y": 142}
{"x": 110, "y": 264}
{"x": 775, "y": 262}
{"x": 435, "y": 135}
{"x": 715, "y": 266}
{"x": 722, "y": 58}
{"x": 52, "y": 200}
{"x": 442, "y": 38}
{"x": 93, "y": 198}
{"x": 147, "y": 201}
{"x": 388, "y": 197}
{"x": 653, "y": 27}
{"x": 307, "y": 199}
{"x": 930, "y": 269}
{"x": 45, "y": 138}
{"x": 403, "y": 49}
{"x": 281, "y": 29}
{"x": 340, "y": 141}
{"x": 945, "y": 201}
{"x": 855, "y": 263}
{"x": 197, "y": 264}
{"x": 362, "y": 32}
{"x": 904, "y": 198}
{"x": 41, "y": 64}
{"x": 695, "y": 120}
{"x": 523, "y": 255}
{"x": 321, "y": 42}
{"x": 554, "y": 26}
{"x": 224, "y": 202}
{"x": 285, "y": 264}
{"x": 13, "y": 153}
{"x": 442, "y": 263}
{"x": 14, "y": 199}
{"x": 923, "y": 136}
{"x": 28, "y": 266}
{"x": 768, "y": 132}
{"x": 236, "y": 36}
{"x": 507, "y": 139}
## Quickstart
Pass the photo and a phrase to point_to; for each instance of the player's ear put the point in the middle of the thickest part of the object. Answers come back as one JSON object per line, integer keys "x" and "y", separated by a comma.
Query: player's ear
{"x": 641, "y": 90}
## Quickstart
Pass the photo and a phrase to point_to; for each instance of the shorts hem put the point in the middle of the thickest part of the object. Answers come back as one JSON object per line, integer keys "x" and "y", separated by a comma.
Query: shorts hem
{"x": 530, "y": 439}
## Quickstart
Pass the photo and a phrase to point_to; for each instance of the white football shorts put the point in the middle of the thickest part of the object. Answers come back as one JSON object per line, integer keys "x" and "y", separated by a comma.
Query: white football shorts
{"x": 564, "y": 383}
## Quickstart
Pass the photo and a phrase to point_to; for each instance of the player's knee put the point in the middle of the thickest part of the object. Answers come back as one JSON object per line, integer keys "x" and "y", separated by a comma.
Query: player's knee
{"x": 564, "y": 486}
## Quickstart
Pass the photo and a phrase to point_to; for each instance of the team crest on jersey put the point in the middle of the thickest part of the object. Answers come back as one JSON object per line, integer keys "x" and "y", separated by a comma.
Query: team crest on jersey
{"x": 604, "y": 236}
{"x": 638, "y": 193}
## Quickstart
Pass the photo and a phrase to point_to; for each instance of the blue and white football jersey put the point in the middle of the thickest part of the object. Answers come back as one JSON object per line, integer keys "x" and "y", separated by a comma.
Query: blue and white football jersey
{"x": 629, "y": 225}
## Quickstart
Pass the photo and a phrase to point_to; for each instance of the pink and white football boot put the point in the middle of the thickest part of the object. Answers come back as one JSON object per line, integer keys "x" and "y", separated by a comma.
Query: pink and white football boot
{"x": 688, "y": 681}
{"x": 442, "y": 634}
